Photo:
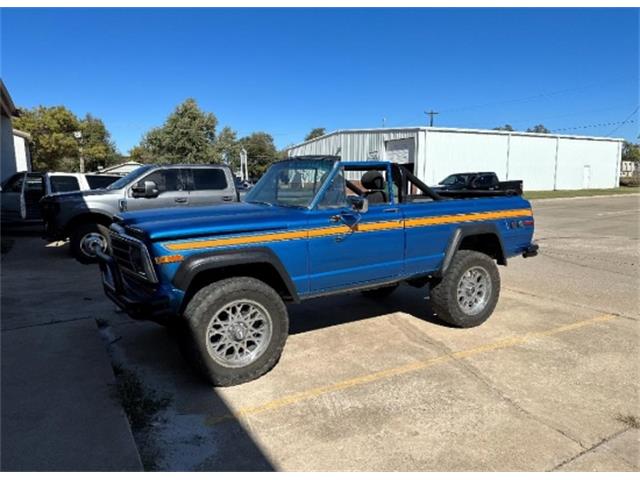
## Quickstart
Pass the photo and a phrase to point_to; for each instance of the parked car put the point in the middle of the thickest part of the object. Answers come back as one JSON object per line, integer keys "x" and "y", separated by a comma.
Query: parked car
{"x": 84, "y": 217}
{"x": 225, "y": 272}
{"x": 21, "y": 193}
{"x": 476, "y": 184}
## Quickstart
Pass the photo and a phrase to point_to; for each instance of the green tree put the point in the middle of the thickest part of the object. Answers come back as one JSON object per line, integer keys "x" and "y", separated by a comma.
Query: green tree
{"x": 506, "y": 127}
{"x": 228, "y": 148}
{"x": 187, "y": 136}
{"x": 261, "y": 152}
{"x": 98, "y": 149}
{"x": 538, "y": 129}
{"x": 51, "y": 130}
{"x": 315, "y": 133}
{"x": 631, "y": 152}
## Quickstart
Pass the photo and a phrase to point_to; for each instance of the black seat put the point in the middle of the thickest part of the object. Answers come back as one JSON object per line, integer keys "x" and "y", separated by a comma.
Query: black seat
{"x": 376, "y": 187}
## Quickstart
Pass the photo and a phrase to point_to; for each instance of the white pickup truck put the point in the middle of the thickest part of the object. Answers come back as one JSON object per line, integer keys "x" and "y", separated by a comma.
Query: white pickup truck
{"x": 21, "y": 193}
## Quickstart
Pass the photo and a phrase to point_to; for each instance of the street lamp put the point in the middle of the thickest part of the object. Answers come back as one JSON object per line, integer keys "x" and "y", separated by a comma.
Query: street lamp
{"x": 78, "y": 136}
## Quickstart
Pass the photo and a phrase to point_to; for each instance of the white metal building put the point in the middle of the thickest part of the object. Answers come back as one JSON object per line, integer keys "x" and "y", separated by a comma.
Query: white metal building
{"x": 542, "y": 161}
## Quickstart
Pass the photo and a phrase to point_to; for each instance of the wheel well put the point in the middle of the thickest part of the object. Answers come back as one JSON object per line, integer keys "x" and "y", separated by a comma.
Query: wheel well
{"x": 487, "y": 243}
{"x": 84, "y": 218}
{"x": 264, "y": 272}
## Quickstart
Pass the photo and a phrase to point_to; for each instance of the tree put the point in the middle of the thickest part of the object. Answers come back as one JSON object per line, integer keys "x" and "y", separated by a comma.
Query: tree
{"x": 51, "y": 130}
{"x": 261, "y": 152}
{"x": 538, "y": 129}
{"x": 631, "y": 152}
{"x": 227, "y": 148}
{"x": 187, "y": 136}
{"x": 315, "y": 133}
{"x": 97, "y": 147}
{"x": 506, "y": 128}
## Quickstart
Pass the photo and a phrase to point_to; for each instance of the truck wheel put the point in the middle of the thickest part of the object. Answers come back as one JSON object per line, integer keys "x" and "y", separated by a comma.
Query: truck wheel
{"x": 381, "y": 292}
{"x": 238, "y": 328}
{"x": 468, "y": 293}
{"x": 86, "y": 238}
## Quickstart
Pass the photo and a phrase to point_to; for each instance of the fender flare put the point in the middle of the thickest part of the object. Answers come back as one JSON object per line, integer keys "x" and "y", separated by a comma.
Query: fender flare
{"x": 464, "y": 231}
{"x": 202, "y": 262}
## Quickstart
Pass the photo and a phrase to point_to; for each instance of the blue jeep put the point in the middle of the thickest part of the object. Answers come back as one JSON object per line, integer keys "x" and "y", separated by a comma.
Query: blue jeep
{"x": 312, "y": 226}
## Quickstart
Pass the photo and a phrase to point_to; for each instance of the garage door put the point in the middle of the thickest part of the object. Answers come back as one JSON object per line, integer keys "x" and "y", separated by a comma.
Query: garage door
{"x": 401, "y": 150}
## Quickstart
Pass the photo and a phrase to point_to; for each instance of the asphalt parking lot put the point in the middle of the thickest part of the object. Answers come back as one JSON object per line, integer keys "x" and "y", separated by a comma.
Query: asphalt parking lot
{"x": 550, "y": 382}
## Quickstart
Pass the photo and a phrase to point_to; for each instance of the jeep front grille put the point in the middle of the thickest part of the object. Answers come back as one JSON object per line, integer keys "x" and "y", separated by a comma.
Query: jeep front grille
{"x": 132, "y": 256}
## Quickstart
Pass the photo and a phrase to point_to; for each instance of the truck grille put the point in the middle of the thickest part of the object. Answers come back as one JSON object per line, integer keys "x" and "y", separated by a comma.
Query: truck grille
{"x": 132, "y": 257}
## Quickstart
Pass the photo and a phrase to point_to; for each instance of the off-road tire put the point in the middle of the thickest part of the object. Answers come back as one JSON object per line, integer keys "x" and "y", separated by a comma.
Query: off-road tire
{"x": 77, "y": 236}
{"x": 209, "y": 300}
{"x": 381, "y": 292}
{"x": 444, "y": 301}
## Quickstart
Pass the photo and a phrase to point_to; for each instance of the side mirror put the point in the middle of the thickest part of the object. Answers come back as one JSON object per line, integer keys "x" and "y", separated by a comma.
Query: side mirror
{"x": 359, "y": 204}
{"x": 149, "y": 190}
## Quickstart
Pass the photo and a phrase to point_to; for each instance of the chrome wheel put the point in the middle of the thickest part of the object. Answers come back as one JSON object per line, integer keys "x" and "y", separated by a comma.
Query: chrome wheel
{"x": 91, "y": 242}
{"x": 239, "y": 333}
{"x": 474, "y": 290}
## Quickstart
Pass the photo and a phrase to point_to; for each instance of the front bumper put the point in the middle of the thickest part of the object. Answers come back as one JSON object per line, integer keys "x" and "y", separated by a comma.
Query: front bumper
{"x": 138, "y": 306}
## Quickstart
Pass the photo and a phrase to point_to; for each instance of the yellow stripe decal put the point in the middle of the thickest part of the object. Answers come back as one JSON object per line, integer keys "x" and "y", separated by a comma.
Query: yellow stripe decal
{"x": 343, "y": 229}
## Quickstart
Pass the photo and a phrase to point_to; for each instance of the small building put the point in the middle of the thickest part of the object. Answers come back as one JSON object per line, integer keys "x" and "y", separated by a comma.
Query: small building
{"x": 15, "y": 155}
{"x": 542, "y": 161}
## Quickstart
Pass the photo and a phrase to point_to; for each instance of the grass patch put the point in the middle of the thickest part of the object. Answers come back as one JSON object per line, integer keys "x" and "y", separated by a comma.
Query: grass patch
{"x": 536, "y": 195}
{"x": 629, "y": 420}
{"x": 140, "y": 403}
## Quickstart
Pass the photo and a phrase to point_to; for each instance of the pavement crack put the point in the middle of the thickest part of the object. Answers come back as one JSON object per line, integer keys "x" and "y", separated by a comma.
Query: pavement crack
{"x": 592, "y": 448}
{"x": 44, "y": 324}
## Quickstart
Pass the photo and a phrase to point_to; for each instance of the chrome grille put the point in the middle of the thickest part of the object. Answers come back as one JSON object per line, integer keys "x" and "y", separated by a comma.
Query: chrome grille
{"x": 132, "y": 256}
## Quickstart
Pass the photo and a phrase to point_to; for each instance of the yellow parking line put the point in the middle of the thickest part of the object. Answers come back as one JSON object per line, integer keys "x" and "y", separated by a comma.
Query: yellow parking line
{"x": 407, "y": 368}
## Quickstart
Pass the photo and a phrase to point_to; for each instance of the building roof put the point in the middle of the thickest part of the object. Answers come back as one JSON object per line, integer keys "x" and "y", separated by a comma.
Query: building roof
{"x": 8, "y": 107}
{"x": 453, "y": 130}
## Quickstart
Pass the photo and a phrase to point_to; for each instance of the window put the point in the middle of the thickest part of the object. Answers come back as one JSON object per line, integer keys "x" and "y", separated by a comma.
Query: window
{"x": 169, "y": 180}
{"x": 14, "y": 184}
{"x": 483, "y": 181}
{"x": 64, "y": 183}
{"x": 291, "y": 183}
{"x": 335, "y": 195}
{"x": 100, "y": 181}
{"x": 209, "y": 179}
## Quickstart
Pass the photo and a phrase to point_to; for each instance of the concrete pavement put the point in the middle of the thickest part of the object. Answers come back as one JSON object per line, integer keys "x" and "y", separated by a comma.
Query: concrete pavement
{"x": 59, "y": 408}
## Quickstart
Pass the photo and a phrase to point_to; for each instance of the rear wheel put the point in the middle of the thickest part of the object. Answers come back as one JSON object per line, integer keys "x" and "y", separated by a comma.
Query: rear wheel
{"x": 86, "y": 239}
{"x": 468, "y": 293}
{"x": 237, "y": 328}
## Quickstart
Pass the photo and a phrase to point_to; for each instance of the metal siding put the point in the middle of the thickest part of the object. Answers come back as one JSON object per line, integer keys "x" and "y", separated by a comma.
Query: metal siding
{"x": 532, "y": 159}
{"x": 452, "y": 152}
{"x": 574, "y": 155}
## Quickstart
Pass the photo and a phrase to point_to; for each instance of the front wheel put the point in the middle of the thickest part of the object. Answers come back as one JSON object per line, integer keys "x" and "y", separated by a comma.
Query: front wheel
{"x": 238, "y": 328}
{"x": 468, "y": 293}
{"x": 88, "y": 238}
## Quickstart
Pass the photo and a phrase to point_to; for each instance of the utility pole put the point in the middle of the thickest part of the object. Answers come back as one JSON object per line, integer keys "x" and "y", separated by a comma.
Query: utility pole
{"x": 431, "y": 114}
{"x": 78, "y": 136}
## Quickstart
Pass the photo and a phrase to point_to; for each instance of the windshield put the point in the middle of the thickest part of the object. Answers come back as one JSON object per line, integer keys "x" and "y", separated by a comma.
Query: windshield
{"x": 291, "y": 183}
{"x": 455, "y": 179}
{"x": 128, "y": 178}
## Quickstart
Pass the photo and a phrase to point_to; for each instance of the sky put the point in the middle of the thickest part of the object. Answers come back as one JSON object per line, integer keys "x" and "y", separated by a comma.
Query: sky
{"x": 286, "y": 71}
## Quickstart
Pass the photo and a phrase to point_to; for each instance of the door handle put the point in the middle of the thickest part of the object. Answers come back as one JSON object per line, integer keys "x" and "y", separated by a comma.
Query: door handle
{"x": 227, "y": 198}
{"x": 181, "y": 200}
{"x": 390, "y": 210}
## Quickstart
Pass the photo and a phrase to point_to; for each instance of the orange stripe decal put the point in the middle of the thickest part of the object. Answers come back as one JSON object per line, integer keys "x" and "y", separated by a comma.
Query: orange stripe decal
{"x": 343, "y": 229}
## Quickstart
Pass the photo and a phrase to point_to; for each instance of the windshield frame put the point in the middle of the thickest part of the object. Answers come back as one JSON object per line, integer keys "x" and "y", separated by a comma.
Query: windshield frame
{"x": 312, "y": 201}
{"x": 130, "y": 177}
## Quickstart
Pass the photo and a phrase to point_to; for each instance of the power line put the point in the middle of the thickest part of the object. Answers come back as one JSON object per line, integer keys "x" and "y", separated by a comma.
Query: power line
{"x": 624, "y": 121}
{"x": 595, "y": 125}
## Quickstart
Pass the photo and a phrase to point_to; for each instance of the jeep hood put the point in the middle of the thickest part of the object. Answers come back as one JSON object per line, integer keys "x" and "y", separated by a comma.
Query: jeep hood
{"x": 191, "y": 222}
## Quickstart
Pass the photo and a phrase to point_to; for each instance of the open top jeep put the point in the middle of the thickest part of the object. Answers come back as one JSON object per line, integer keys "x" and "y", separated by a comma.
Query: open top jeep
{"x": 312, "y": 226}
